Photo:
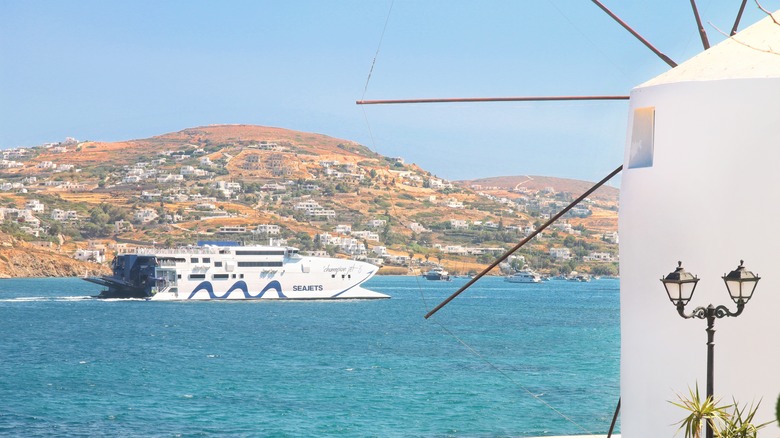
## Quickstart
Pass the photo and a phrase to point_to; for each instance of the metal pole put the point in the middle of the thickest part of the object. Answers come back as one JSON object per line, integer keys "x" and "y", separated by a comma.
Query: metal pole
{"x": 702, "y": 33}
{"x": 489, "y": 99}
{"x": 614, "y": 420}
{"x": 647, "y": 44}
{"x": 710, "y": 361}
{"x": 739, "y": 17}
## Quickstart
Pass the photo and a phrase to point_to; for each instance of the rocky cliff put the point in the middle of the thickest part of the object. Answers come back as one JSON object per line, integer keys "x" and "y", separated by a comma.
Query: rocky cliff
{"x": 22, "y": 259}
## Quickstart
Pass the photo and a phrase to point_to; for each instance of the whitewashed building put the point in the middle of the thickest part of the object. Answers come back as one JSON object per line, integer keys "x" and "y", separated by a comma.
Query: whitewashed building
{"x": 368, "y": 235}
{"x": 145, "y": 215}
{"x": 232, "y": 229}
{"x": 62, "y": 215}
{"x": 267, "y": 229}
{"x": 417, "y": 228}
{"x": 560, "y": 253}
{"x": 700, "y": 185}
{"x": 458, "y": 223}
{"x": 90, "y": 255}
{"x": 35, "y": 206}
{"x": 343, "y": 229}
{"x": 599, "y": 257}
{"x": 377, "y": 223}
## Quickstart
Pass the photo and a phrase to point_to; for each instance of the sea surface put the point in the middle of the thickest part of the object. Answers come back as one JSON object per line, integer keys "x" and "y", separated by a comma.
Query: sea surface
{"x": 501, "y": 360}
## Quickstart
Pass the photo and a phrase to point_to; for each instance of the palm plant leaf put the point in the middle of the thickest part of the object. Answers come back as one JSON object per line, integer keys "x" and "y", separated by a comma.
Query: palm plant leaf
{"x": 700, "y": 412}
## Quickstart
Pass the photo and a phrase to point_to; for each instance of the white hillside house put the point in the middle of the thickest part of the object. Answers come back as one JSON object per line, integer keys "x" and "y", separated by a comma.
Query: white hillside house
{"x": 145, "y": 215}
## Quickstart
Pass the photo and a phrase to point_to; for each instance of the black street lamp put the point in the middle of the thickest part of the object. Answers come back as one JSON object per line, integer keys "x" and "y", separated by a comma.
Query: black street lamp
{"x": 680, "y": 286}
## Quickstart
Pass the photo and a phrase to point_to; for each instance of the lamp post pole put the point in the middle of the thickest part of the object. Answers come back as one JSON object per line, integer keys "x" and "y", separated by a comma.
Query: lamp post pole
{"x": 680, "y": 286}
{"x": 710, "y": 359}
{"x": 710, "y": 313}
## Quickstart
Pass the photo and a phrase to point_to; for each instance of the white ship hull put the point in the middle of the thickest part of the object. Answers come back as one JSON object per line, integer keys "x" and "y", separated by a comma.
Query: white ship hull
{"x": 523, "y": 279}
{"x": 236, "y": 273}
{"x": 326, "y": 279}
{"x": 524, "y": 276}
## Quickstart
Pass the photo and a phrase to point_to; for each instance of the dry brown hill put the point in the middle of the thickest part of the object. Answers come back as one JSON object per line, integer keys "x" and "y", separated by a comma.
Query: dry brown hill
{"x": 126, "y": 152}
{"x": 23, "y": 259}
{"x": 241, "y": 134}
{"x": 534, "y": 182}
{"x": 340, "y": 175}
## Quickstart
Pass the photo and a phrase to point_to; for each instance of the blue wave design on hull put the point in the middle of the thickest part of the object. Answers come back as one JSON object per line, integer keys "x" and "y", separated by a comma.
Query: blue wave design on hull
{"x": 275, "y": 285}
{"x": 204, "y": 285}
{"x": 239, "y": 285}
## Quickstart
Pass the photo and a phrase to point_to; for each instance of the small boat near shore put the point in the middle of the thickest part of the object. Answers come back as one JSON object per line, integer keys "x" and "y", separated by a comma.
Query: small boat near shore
{"x": 437, "y": 274}
{"x": 526, "y": 275}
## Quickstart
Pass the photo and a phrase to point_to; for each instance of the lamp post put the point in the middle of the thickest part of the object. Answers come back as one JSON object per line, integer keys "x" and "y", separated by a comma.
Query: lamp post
{"x": 680, "y": 286}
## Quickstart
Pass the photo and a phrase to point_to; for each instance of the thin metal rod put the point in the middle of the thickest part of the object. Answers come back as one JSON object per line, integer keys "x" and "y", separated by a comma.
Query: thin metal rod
{"x": 739, "y": 17}
{"x": 702, "y": 33}
{"x": 526, "y": 240}
{"x": 614, "y": 420}
{"x": 635, "y": 34}
{"x": 490, "y": 99}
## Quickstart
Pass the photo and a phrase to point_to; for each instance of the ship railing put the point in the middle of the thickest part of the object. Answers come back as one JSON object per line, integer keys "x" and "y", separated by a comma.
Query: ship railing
{"x": 180, "y": 250}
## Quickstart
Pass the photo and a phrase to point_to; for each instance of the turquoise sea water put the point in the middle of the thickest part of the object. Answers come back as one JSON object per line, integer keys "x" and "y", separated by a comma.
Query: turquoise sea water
{"x": 500, "y": 360}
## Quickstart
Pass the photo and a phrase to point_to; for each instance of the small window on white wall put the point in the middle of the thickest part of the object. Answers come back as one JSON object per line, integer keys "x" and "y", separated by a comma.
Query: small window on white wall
{"x": 642, "y": 134}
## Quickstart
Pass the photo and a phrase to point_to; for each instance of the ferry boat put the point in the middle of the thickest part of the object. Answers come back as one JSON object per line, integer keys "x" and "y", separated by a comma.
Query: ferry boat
{"x": 234, "y": 273}
{"x": 525, "y": 276}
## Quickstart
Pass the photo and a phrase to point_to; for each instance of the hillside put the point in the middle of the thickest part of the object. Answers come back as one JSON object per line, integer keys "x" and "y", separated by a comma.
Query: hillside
{"x": 535, "y": 182}
{"x": 253, "y": 183}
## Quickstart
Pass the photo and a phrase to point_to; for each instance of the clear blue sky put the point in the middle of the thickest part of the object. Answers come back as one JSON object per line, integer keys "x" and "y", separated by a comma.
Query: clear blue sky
{"x": 110, "y": 70}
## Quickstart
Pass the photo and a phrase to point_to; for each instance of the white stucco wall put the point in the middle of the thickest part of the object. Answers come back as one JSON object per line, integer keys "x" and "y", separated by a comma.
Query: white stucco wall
{"x": 710, "y": 198}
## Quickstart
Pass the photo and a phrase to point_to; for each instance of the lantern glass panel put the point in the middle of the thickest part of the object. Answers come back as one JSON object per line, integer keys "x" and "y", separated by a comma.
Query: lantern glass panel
{"x": 673, "y": 290}
{"x": 687, "y": 289}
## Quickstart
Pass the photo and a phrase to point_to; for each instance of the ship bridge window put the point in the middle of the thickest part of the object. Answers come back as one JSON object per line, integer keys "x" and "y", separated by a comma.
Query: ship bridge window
{"x": 259, "y": 264}
{"x": 263, "y": 252}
